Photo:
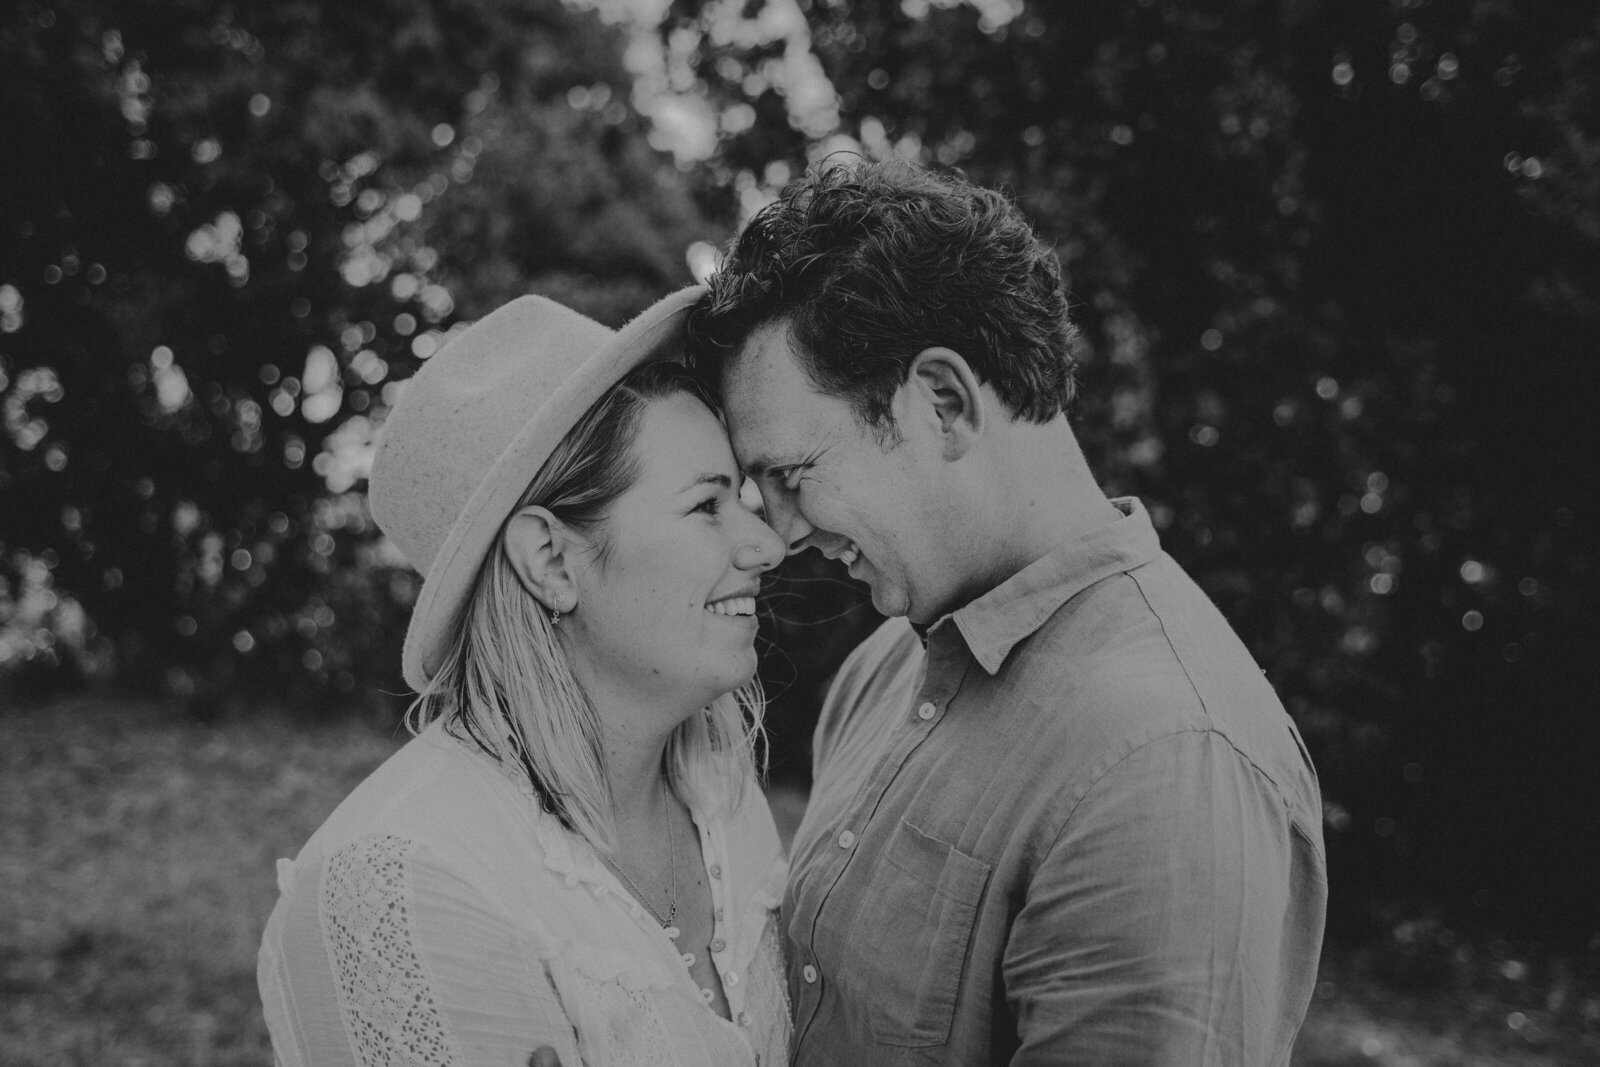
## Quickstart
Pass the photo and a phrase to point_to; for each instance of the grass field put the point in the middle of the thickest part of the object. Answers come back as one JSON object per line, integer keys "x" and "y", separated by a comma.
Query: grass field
{"x": 136, "y": 871}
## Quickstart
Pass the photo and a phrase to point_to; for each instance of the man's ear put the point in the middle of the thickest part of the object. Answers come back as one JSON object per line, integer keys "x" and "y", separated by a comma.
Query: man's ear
{"x": 944, "y": 390}
{"x": 540, "y": 549}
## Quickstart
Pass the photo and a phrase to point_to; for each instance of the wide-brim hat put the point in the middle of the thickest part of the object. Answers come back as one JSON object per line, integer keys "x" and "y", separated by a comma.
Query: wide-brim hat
{"x": 472, "y": 428}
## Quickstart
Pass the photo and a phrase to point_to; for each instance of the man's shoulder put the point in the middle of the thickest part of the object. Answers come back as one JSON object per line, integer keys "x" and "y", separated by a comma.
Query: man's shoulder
{"x": 1140, "y": 656}
{"x": 1158, "y": 665}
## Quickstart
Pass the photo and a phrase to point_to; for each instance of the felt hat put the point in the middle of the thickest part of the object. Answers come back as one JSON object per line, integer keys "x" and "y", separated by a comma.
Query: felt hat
{"x": 472, "y": 428}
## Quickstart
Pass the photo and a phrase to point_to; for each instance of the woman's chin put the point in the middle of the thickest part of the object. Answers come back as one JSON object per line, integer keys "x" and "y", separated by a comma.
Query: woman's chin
{"x": 741, "y": 675}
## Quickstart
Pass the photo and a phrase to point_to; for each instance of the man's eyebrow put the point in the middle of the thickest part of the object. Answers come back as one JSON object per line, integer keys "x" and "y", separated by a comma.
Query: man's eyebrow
{"x": 760, "y": 466}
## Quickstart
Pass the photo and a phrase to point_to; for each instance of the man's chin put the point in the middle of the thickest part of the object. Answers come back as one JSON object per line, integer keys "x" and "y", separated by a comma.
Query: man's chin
{"x": 891, "y": 604}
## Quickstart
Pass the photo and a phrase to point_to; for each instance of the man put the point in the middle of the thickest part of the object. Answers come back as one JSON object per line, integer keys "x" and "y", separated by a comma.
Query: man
{"x": 1058, "y": 817}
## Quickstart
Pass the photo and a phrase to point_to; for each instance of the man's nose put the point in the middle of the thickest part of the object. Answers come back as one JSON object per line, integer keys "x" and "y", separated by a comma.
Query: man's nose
{"x": 787, "y": 521}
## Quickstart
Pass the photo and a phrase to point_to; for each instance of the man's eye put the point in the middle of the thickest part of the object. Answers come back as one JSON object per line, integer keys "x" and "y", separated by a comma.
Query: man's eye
{"x": 790, "y": 476}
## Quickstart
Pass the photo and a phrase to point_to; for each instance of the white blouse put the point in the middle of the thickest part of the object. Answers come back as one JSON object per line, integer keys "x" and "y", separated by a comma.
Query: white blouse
{"x": 440, "y": 917}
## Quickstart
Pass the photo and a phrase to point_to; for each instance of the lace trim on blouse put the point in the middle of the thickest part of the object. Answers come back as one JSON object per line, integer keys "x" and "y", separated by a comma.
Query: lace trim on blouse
{"x": 385, "y": 995}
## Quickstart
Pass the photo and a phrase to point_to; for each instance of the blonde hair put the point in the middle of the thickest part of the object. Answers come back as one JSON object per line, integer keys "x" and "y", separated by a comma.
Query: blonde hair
{"x": 505, "y": 681}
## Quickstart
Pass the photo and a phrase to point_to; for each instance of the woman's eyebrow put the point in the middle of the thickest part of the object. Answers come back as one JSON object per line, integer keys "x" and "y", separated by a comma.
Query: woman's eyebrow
{"x": 722, "y": 481}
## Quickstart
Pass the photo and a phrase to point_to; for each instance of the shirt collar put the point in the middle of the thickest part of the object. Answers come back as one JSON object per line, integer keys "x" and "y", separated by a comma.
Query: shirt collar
{"x": 996, "y": 622}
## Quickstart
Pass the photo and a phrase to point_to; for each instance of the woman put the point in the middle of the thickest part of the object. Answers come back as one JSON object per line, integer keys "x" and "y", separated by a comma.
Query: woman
{"x": 572, "y": 852}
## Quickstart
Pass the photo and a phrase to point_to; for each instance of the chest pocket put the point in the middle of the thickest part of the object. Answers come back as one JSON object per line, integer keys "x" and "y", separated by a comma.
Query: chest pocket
{"x": 916, "y": 933}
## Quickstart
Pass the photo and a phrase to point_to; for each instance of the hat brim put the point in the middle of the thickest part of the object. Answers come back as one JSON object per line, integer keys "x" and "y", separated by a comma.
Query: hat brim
{"x": 653, "y": 334}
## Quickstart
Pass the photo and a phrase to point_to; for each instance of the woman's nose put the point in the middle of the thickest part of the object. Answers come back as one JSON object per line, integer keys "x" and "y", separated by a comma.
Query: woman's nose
{"x": 762, "y": 548}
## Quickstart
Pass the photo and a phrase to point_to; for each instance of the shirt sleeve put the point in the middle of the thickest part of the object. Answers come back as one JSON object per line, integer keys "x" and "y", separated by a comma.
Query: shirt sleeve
{"x": 1163, "y": 925}
{"x": 424, "y": 971}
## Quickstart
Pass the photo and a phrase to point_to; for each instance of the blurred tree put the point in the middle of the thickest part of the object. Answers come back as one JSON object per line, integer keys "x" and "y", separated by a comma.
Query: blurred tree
{"x": 1337, "y": 265}
{"x": 225, "y": 232}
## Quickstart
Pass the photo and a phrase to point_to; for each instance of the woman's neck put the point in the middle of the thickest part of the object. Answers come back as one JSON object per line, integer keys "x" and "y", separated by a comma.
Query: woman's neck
{"x": 635, "y": 728}
{"x": 636, "y": 773}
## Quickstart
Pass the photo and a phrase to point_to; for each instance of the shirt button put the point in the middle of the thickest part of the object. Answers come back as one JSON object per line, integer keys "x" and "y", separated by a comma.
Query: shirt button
{"x": 927, "y": 711}
{"x": 718, "y": 945}
{"x": 730, "y": 978}
{"x": 716, "y": 870}
{"x": 718, "y": 914}
{"x": 809, "y": 973}
{"x": 847, "y": 839}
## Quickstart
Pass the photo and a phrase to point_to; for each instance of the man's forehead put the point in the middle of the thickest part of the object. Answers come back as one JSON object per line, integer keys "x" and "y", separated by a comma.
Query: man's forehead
{"x": 759, "y": 443}
{"x": 765, "y": 369}
{"x": 759, "y": 386}
{"x": 767, "y": 402}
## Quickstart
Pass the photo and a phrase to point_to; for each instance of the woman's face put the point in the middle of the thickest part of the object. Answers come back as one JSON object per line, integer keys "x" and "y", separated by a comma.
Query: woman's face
{"x": 666, "y": 613}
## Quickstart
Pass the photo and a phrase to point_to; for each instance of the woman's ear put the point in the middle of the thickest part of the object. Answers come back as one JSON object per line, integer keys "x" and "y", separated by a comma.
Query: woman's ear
{"x": 539, "y": 548}
{"x": 943, "y": 386}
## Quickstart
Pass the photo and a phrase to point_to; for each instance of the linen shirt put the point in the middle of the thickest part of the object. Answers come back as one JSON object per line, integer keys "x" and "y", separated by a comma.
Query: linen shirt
{"x": 1076, "y": 827}
{"x": 440, "y": 917}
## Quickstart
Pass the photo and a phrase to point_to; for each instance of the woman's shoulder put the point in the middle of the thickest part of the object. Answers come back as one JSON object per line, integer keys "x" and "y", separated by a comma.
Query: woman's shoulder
{"x": 435, "y": 791}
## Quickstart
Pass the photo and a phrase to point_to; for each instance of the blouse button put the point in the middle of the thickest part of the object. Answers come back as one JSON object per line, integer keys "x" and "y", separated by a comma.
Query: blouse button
{"x": 927, "y": 711}
{"x": 716, "y": 870}
{"x": 717, "y": 945}
{"x": 809, "y": 973}
{"x": 744, "y": 1018}
{"x": 730, "y": 978}
{"x": 847, "y": 839}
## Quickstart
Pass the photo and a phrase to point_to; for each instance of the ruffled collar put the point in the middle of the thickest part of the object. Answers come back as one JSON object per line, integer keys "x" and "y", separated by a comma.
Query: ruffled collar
{"x": 749, "y": 886}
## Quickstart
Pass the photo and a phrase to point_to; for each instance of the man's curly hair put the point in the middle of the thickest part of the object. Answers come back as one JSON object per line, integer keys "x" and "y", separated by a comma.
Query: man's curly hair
{"x": 869, "y": 263}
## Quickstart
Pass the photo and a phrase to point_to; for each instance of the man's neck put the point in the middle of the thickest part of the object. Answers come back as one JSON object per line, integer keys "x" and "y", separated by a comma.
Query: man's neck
{"x": 1038, "y": 493}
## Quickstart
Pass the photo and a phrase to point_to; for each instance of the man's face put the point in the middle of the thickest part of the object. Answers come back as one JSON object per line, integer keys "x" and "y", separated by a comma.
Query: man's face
{"x": 827, "y": 482}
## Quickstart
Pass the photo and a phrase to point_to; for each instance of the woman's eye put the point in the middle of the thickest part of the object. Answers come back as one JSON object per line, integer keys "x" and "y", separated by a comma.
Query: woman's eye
{"x": 710, "y": 505}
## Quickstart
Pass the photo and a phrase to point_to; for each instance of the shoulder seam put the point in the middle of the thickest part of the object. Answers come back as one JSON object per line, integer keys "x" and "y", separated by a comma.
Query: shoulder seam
{"x": 1096, "y": 777}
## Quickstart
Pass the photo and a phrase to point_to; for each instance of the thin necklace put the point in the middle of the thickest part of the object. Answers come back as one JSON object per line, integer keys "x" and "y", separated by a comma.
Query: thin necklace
{"x": 672, "y": 890}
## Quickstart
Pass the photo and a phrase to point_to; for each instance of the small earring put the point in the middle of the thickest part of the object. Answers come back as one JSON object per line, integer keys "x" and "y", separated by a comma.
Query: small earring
{"x": 555, "y": 616}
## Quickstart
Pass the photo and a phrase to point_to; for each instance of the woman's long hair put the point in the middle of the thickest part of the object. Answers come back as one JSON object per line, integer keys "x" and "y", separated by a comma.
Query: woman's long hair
{"x": 506, "y": 683}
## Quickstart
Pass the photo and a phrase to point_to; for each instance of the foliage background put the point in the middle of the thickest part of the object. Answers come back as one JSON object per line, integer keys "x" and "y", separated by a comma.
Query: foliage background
{"x": 1336, "y": 263}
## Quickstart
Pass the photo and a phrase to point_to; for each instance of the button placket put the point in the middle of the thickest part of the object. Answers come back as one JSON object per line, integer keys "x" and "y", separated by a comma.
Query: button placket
{"x": 939, "y": 683}
{"x": 710, "y": 851}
